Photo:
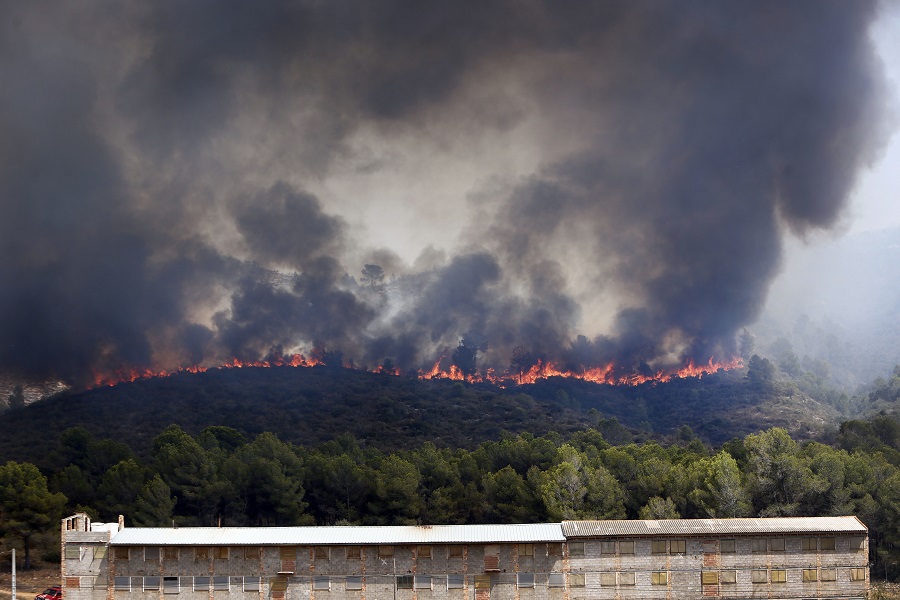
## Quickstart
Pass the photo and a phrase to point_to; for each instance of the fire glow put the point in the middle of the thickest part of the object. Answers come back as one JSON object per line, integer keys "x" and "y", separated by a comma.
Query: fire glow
{"x": 607, "y": 375}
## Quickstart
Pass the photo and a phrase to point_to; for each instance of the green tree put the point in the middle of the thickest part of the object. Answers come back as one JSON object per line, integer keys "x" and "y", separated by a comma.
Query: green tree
{"x": 27, "y": 507}
{"x": 373, "y": 276}
{"x": 659, "y": 508}
{"x": 155, "y": 505}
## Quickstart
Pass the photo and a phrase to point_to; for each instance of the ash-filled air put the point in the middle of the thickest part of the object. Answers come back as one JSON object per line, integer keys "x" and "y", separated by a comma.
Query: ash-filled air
{"x": 186, "y": 183}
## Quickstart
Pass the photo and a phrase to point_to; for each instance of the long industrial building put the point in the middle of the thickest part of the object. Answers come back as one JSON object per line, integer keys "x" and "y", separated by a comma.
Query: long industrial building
{"x": 797, "y": 557}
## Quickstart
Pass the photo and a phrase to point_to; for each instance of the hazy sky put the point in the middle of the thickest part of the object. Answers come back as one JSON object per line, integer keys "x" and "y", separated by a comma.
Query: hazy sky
{"x": 188, "y": 182}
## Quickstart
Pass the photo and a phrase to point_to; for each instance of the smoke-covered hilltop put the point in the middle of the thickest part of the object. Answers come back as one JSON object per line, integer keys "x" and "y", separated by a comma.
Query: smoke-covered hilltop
{"x": 522, "y": 173}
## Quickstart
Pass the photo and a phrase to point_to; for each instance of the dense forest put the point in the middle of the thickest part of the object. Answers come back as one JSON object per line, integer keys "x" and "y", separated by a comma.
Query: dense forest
{"x": 578, "y": 463}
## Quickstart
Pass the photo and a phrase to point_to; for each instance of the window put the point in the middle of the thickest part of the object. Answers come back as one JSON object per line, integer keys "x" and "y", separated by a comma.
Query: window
{"x": 779, "y": 576}
{"x": 170, "y": 553}
{"x": 626, "y": 578}
{"x": 608, "y": 579}
{"x": 323, "y": 553}
{"x": 455, "y": 551}
{"x": 73, "y": 551}
{"x": 826, "y": 544}
{"x": 728, "y": 577}
{"x": 122, "y": 583}
{"x": 385, "y": 551}
{"x": 201, "y": 584}
{"x": 759, "y": 576}
{"x": 554, "y": 549}
{"x": 251, "y": 552}
{"x": 626, "y": 547}
{"x": 828, "y": 574}
{"x": 353, "y": 553}
{"x": 857, "y": 543}
{"x": 810, "y": 575}
{"x": 221, "y": 552}
{"x": 404, "y": 582}
{"x": 482, "y": 582}
{"x": 456, "y": 581}
{"x": 220, "y": 583}
{"x": 776, "y": 545}
{"x": 353, "y": 582}
{"x": 758, "y": 545}
{"x": 526, "y": 549}
{"x": 658, "y": 547}
{"x": 422, "y": 582}
{"x": 857, "y": 574}
{"x": 170, "y": 585}
{"x": 808, "y": 544}
{"x": 251, "y": 584}
{"x": 678, "y": 547}
{"x": 556, "y": 580}
{"x": 727, "y": 546}
{"x": 121, "y": 552}
{"x": 576, "y": 579}
{"x": 201, "y": 553}
{"x": 709, "y": 577}
{"x": 659, "y": 578}
{"x": 577, "y": 548}
{"x": 151, "y": 583}
{"x": 525, "y": 580}
{"x": 100, "y": 552}
{"x": 423, "y": 552}
{"x": 321, "y": 583}
{"x": 605, "y": 547}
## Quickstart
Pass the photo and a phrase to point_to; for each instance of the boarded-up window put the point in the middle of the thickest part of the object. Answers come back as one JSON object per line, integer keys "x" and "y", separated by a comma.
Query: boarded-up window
{"x": 151, "y": 553}
{"x": 353, "y": 582}
{"x": 482, "y": 582}
{"x": 608, "y": 579}
{"x": 201, "y": 553}
{"x": 221, "y": 552}
{"x": 857, "y": 543}
{"x": 492, "y": 558}
{"x": 251, "y": 584}
{"x": 405, "y": 582}
{"x": 251, "y": 552}
{"x": 659, "y": 578}
{"x": 857, "y": 574}
{"x": 454, "y": 551}
{"x": 607, "y": 547}
{"x": 322, "y": 553}
{"x": 556, "y": 580}
{"x": 121, "y": 553}
{"x": 423, "y": 552}
{"x": 422, "y": 582}
{"x": 525, "y": 580}
{"x": 776, "y": 545}
{"x": 385, "y": 551}
{"x": 626, "y": 547}
{"x": 658, "y": 546}
{"x": 826, "y": 544}
{"x": 171, "y": 585}
{"x": 728, "y": 577}
{"x": 727, "y": 546}
{"x": 321, "y": 583}
{"x": 626, "y": 578}
{"x": 73, "y": 551}
{"x": 810, "y": 575}
{"x": 170, "y": 553}
{"x": 526, "y": 549}
{"x": 100, "y": 552}
{"x": 759, "y": 576}
{"x": 808, "y": 544}
{"x": 828, "y": 574}
{"x": 353, "y": 552}
{"x": 677, "y": 546}
{"x": 709, "y": 577}
{"x": 201, "y": 584}
{"x": 758, "y": 545}
{"x": 576, "y": 548}
{"x": 576, "y": 579}
{"x": 779, "y": 576}
{"x": 151, "y": 583}
{"x": 554, "y": 549}
{"x": 455, "y": 581}
{"x": 122, "y": 583}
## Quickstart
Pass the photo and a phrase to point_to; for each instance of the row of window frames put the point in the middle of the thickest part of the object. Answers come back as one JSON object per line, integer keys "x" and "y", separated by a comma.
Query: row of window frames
{"x": 758, "y": 545}
{"x": 730, "y": 577}
{"x": 320, "y": 552}
{"x": 173, "y": 585}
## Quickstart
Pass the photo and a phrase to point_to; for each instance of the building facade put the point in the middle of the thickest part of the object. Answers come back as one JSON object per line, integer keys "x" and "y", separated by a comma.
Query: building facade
{"x": 802, "y": 557}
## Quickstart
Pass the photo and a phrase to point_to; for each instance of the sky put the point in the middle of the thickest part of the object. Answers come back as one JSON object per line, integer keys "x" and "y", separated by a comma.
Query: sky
{"x": 186, "y": 183}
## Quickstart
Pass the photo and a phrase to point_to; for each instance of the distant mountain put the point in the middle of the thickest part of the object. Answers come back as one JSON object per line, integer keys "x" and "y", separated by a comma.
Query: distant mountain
{"x": 312, "y": 405}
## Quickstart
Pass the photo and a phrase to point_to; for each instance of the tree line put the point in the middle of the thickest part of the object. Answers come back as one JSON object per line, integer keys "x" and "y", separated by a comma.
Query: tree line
{"x": 221, "y": 476}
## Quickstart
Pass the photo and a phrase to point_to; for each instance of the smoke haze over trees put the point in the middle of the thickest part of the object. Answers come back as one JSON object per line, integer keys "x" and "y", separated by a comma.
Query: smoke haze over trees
{"x": 183, "y": 184}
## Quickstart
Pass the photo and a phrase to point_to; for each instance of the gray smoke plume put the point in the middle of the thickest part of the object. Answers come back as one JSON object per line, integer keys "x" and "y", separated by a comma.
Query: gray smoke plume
{"x": 187, "y": 183}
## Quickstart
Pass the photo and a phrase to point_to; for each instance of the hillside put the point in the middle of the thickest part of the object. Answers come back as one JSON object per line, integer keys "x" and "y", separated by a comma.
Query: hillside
{"x": 308, "y": 406}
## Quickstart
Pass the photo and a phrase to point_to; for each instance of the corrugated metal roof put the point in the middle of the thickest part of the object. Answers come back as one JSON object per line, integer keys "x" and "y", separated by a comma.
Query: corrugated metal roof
{"x": 352, "y": 535}
{"x": 687, "y": 527}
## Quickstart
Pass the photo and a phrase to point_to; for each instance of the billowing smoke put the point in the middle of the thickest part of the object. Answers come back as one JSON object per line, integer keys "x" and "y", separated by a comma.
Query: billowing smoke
{"x": 581, "y": 182}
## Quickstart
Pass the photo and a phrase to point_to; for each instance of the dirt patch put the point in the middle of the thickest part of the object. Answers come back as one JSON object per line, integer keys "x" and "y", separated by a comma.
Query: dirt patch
{"x": 28, "y": 583}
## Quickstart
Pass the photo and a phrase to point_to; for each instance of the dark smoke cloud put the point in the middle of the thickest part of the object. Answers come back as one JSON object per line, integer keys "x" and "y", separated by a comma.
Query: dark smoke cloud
{"x": 170, "y": 175}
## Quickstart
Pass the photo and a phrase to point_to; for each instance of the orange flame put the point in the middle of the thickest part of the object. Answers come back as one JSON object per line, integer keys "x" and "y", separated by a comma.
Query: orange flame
{"x": 539, "y": 371}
